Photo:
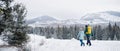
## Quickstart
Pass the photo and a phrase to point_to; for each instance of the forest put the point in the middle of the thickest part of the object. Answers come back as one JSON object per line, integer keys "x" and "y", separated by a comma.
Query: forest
{"x": 110, "y": 32}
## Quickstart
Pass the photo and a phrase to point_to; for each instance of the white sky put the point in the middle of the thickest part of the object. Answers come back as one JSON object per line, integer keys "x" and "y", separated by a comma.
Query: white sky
{"x": 68, "y": 9}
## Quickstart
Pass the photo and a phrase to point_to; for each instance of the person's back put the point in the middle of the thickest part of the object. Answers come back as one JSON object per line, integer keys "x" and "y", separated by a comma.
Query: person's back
{"x": 88, "y": 32}
{"x": 81, "y": 35}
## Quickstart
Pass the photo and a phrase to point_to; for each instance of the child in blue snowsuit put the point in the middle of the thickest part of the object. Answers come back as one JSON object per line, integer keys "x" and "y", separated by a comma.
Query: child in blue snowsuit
{"x": 80, "y": 36}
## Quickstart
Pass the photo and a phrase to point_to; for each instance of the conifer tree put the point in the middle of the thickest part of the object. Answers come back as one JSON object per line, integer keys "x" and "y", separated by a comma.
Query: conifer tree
{"x": 12, "y": 23}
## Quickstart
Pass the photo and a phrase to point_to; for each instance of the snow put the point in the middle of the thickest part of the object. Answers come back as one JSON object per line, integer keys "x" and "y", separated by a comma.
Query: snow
{"x": 91, "y": 18}
{"x": 100, "y": 18}
{"x": 109, "y": 17}
{"x": 40, "y": 43}
{"x": 2, "y": 42}
{"x": 8, "y": 49}
{"x": 70, "y": 45}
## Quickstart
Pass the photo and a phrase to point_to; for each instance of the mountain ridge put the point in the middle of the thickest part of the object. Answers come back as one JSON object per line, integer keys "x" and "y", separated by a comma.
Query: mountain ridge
{"x": 92, "y": 18}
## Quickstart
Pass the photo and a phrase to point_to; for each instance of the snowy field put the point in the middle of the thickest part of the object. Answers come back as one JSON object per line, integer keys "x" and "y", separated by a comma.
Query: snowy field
{"x": 39, "y": 43}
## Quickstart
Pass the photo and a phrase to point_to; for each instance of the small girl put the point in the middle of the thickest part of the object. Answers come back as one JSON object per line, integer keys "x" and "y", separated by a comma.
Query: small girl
{"x": 81, "y": 37}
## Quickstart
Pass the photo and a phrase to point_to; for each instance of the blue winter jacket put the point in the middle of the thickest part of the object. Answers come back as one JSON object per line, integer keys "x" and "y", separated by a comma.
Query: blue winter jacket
{"x": 81, "y": 35}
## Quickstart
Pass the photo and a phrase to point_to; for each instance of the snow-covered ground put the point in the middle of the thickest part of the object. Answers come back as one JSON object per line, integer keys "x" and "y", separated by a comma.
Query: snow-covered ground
{"x": 40, "y": 43}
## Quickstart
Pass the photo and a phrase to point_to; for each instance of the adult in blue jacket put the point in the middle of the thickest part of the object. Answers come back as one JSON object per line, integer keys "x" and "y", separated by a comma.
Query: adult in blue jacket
{"x": 80, "y": 36}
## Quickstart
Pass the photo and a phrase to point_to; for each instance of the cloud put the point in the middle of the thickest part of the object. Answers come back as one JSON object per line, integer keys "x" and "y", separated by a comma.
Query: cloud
{"x": 68, "y": 8}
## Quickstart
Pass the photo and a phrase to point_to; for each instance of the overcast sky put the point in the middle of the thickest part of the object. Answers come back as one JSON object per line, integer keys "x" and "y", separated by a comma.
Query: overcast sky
{"x": 68, "y": 9}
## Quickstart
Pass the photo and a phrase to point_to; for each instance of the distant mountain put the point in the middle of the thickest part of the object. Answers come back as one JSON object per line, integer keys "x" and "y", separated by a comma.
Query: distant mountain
{"x": 102, "y": 17}
{"x": 115, "y": 13}
{"x": 42, "y": 19}
{"x": 92, "y": 18}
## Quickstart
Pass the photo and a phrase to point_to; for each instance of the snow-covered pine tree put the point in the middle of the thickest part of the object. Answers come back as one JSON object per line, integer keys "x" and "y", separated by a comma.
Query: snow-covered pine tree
{"x": 19, "y": 36}
{"x": 12, "y": 24}
{"x": 64, "y": 32}
{"x": 115, "y": 32}
{"x": 118, "y": 35}
{"x": 1, "y": 24}
{"x": 110, "y": 30}
{"x": 5, "y": 15}
{"x": 59, "y": 32}
{"x": 105, "y": 34}
{"x": 76, "y": 28}
{"x": 99, "y": 32}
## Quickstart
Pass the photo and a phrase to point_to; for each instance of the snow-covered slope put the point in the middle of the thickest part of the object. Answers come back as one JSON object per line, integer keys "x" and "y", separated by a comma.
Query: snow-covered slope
{"x": 102, "y": 17}
{"x": 42, "y": 19}
{"x": 115, "y": 13}
{"x": 40, "y": 43}
{"x": 8, "y": 49}
{"x": 91, "y": 18}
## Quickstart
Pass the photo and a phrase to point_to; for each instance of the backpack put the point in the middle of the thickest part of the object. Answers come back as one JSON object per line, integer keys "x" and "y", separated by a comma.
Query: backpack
{"x": 89, "y": 29}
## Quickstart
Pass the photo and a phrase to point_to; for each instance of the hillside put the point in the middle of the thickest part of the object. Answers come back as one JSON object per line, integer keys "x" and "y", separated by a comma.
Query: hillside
{"x": 91, "y": 18}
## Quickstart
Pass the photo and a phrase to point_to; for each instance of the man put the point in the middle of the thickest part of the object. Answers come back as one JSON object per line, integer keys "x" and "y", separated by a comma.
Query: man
{"x": 88, "y": 32}
{"x": 81, "y": 37}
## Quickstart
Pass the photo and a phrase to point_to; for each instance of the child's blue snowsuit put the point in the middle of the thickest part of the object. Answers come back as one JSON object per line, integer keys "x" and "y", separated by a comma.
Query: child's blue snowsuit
{"x": 81, "y": 37}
